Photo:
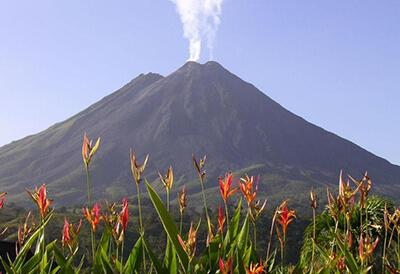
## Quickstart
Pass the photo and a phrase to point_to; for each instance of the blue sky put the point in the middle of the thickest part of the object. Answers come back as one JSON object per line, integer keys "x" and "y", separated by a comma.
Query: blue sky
{"x": 336, "y": 62}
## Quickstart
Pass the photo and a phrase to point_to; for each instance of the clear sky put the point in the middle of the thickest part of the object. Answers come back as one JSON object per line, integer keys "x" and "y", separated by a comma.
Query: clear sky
{"x": 336, "y": 62}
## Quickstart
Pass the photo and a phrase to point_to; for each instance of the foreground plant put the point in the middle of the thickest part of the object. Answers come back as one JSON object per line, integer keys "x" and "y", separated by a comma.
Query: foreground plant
{"x": 88, "y": 151}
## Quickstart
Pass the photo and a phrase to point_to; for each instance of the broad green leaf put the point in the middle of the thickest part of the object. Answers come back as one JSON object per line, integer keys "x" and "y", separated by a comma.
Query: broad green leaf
{"x": 169, "y": 226}
{"x": 135, "y": 258}
{"x": 243, "y": 235}
{"x": 170, "y": 258}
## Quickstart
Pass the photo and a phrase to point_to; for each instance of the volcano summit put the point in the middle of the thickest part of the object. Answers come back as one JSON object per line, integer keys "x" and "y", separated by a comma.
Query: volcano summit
{"x": 200, "y": 109}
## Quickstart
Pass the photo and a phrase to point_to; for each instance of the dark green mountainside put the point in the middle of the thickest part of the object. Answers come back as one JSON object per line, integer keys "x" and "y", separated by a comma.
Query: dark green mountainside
{"x": 201, "y": 109}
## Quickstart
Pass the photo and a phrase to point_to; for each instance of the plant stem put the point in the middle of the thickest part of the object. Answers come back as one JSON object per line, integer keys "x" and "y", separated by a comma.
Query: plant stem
{"x": 180, "y": 224}
{"x": 93, "y": 244}
{"x": 384, "y": 250}
{"x": 313, "y": 244}
{"x": 141, "y": 224}
{"x": 122, "y": 256}
{"x": 205, "y": 204}
{"x": 167, "y": 199}
{"x": 226, "y": 215}
{"x": 89, "y": 185}
{"x": 255, "y": 235}
{"x": 207, "y": 216}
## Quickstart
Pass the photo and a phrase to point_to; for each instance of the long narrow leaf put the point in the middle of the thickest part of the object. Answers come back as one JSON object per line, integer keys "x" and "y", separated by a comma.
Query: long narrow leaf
{"x": 169, "y": 226}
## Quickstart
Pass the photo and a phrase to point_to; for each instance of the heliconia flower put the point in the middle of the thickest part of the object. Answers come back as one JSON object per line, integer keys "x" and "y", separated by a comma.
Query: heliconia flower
{"x": 137, "y": 169}
{"x": 225, "y": 186}
{"x": 199, "y": 166}
{"x": 25, "y": 229}
{"x": 246, "y": 186}
{"x": 66, "y": 238}
{"x": 92, "y": 216}
{"x": 124, "y": 216}
{"x": 366, "y": 247}
{"x": 257, "y": 268}
{"x": 313, "y": 200}
{"x": 182, "y": 200}
{"x": 285, "y": 216}
{"x": 341, "y": 264}
{"x": 364, "y": 186}
{"x": 221, "y": 220}
{"x": 256, "y": 209}
{"x": 189, "y": 246}
{"x": 225, "y": 267}
{"x": 39, "y": 196}
{"x": 168, "y": 179}
{"x": 70, "y": 235}
{"x": 346, "y": 194}
{"x": 88, "y": 150}
{"x": 2, "y": 199}
{"x": 349, "y": 239}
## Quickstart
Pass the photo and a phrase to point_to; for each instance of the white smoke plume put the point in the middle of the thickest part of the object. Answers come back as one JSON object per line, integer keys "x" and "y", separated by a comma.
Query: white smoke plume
{"x": 200, "y": 19}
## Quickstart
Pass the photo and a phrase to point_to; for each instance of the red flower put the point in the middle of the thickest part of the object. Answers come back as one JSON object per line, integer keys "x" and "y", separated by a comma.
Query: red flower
{"x": 92, "y": 216}
{"x": 225, "y": 267}
{"x": 39, "y": 196}
{"x": 2, "y": 199}
{"x": 247, "y": 189}
{"x": 221, "y": 219}
{"x": 225, "y": 186}
{"x": 286, "y": 216}
{"x": 124, "y": 216}
{"x": 70, "y": 235}
{"x": 66, "y": 238}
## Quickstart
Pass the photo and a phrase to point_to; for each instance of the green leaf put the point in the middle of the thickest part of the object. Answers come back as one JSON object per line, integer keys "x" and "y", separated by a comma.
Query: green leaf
{"x": 20, "y": 259}
{"x": 169, "y": 226}
{"x": 156, "y": 263}
{"x": 170, "y": 258}
{"x": 243, "y": 235}
{"x": 350, "y": 261}
{"x": 135, "y": 258}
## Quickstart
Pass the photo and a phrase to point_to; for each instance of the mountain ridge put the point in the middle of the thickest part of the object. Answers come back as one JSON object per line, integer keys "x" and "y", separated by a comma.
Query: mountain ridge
{"x": 199, "y": 108}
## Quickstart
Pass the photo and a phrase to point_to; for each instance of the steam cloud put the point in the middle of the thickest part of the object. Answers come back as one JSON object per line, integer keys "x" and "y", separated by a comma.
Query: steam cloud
{"x": 200, "y": 19}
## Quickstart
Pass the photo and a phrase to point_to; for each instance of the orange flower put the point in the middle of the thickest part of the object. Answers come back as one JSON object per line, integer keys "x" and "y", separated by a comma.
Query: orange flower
{"x": 39, "y": 196}
{"x": 366, "y": 247}
{"x": 255, "y": 268}
{"x": 92, "y": 216}
{"x": 286, "y": 216}
{"x": 189, "y": 246}
{"x": 225, "y": 267}
{"x": 136, "y": 168}
{"x": 182, "y": 200}
{"x": 225, "y": 186}
{"x": 88, "y": 150}
{"x": 124, "y": 216}
{"x": 221, "y": 220}
{"x": 2, "y": 199}
{"x": 247, "y": 189}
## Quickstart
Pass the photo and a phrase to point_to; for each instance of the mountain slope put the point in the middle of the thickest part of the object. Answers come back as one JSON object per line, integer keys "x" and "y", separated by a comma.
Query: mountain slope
{"x": 201, "y": 109}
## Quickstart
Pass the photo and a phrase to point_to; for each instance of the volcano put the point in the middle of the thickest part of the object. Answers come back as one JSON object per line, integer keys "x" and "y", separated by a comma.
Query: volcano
{"x": 202, "y": 109}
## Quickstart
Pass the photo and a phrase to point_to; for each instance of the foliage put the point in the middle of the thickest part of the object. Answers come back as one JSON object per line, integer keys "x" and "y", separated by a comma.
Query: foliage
{"x": 355, "y": 233}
